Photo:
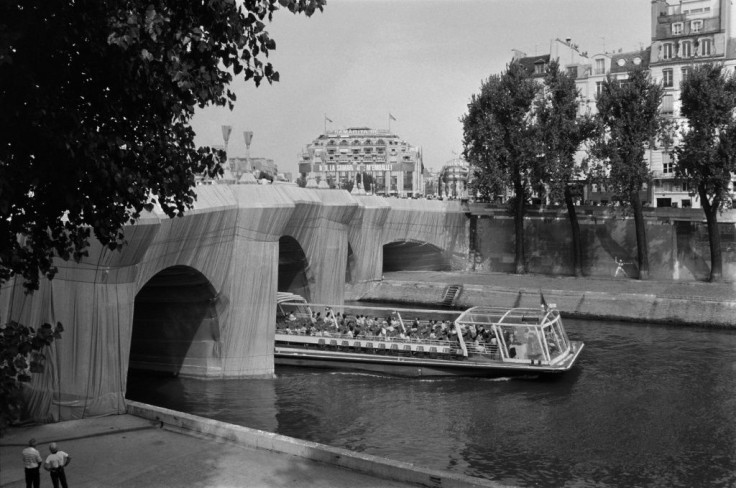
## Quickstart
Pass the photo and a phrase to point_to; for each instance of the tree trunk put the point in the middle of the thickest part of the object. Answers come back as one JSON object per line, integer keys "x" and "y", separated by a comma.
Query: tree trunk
{"x": 519, "y": 259}
{"x": 714, "y": 235}
{"x": 642, "y": 249}
{"x": 577, "y": 249}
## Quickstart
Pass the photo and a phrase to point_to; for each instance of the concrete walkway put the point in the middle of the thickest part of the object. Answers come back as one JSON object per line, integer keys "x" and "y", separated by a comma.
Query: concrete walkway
{"x": 721, "y": 292}
{"x": 131, "y": 451}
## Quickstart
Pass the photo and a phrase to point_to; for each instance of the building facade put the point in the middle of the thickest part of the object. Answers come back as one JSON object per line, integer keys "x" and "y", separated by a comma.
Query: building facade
{"x": 391, "y": 165}
{"x": 589, "y": 72}
{"x": 453, "y": 179}
{"x": 685, "y": 33}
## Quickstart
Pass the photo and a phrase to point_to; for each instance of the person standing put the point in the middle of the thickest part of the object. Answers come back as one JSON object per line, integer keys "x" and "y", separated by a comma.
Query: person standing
{"x": 55, "y": 463}
{"x": 32, "y": 462}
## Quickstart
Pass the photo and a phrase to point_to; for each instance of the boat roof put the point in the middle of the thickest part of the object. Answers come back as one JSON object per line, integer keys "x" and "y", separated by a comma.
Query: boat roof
{"x": 286, "y": 297}
{"x": 485, "y": 315}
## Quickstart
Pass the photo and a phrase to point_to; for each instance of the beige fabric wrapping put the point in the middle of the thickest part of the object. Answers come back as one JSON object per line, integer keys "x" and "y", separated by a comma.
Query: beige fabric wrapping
{"x": 231, "y": 242}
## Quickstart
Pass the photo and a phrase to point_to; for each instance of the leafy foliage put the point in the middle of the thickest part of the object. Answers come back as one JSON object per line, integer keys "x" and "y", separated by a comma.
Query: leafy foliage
{"x": 629, "y": 117}
{"x": 499, "y": 142}
{"x": 21, "y": 354}
{"x": 561, "y": 131}
{"x": 706, "y": 157}
{"x": 498, "y": 131}
{"x": 97, "y": 96}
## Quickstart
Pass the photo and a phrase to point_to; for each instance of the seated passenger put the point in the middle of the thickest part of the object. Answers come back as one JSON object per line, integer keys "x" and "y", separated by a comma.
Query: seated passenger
{"x": 292, "y": 317}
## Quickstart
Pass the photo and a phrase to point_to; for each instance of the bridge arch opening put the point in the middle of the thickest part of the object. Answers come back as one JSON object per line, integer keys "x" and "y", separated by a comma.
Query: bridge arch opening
{"x": 414, "y": 256}
{"x": 293, "y": 266}
{"x": 175, "y": 323}
{"x": 349, "y": 265}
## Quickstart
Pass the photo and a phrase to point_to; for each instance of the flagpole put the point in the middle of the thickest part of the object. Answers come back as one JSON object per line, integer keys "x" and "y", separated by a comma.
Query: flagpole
{"x": 389, "y": 122}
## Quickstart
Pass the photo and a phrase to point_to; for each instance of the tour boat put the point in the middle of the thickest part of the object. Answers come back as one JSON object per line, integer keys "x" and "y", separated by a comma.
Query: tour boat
{"x": 482, "y": 341}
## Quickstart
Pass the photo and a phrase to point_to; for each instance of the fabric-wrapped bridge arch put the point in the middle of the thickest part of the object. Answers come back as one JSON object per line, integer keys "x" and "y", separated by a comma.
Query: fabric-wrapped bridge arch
{"x": 225, "y": 252}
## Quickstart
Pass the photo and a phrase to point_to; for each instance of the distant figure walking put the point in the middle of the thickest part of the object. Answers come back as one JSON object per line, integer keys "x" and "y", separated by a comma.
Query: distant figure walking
{"x": 32, "y": 462}
{"x": 55, "y": 463}
{"x": 619, "y": 268}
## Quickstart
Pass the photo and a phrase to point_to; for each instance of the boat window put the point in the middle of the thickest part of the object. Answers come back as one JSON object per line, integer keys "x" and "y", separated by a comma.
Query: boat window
{"x": 556, "y": 339}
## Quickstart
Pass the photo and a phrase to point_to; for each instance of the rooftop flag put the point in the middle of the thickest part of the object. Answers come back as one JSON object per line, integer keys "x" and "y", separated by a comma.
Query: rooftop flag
{"x": 391, "y": 116}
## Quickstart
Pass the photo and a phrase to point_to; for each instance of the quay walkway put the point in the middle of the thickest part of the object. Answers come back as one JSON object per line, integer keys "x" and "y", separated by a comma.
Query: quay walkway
{"x": 154, "y": 447}
{"x": 667, "y": 302}
{"x": 725, "y": 291}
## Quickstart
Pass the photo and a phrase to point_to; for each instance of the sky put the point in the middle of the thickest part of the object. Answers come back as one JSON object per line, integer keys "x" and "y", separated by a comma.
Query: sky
{"x": 419, "y": 60}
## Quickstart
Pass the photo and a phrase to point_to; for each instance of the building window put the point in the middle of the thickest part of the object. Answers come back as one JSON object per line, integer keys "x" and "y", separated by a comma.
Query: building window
{"x": 668, "y": 167}
{"x": 600, "y": 66}
{"x": 686, "y": 49}
{"x": 598, "y": 88}
{"x": 677, "y": 28}
{"x": 667, "y": 51}
{"x": 667, "y": 105}
{"x": 539, "y": 68}
{"x": 685, "y": 71}
{"x": 572, "y": 71}
{"x": 706, "y": 47}
{"x": 667, "y": 78}
{"x": 696, "y": 26}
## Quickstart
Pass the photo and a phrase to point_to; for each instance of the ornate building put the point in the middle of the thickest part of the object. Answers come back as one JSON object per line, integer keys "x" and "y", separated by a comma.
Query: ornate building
{"x": 386, "y": 164}
{"x": 453, "y": 179}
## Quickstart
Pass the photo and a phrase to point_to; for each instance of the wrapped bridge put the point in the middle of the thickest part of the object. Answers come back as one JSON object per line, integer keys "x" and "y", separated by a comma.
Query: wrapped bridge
{"x": 196, "y": 295}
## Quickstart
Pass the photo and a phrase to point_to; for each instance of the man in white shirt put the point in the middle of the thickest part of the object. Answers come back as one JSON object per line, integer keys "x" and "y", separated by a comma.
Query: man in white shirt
{"x": 55, "y": 463}
{"x": 32, "y": 463}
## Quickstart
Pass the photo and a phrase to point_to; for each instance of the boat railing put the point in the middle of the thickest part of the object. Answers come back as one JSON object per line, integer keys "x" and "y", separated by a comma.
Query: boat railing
{"x": 439, "y": 345}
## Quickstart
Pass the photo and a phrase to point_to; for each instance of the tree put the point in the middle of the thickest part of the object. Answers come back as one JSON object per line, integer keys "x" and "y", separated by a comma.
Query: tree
{"x": 561, "y": 132}
{"x": 499, "y": 142}
{"x": 368, "y": 181}
{"x": 628, "y": 113}
{"x": 97, "y": 96}
{"x": 347, "y": 185}
{"x": 21, "y": 354}
{"x": 706, "y": 157}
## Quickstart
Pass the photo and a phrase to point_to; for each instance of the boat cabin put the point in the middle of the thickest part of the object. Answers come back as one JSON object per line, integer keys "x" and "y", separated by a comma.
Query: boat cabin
{"x": 523, "y": 335}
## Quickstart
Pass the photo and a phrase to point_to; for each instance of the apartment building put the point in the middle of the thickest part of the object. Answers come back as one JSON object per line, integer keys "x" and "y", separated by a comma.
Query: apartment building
{"x": 685, "y": 33}
{"x": 337, "y": 157}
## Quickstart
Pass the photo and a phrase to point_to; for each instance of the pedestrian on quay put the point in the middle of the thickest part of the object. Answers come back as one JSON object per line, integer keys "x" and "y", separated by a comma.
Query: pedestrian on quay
{"x": 55, "y": 464}
{"x": 32, "y": 462}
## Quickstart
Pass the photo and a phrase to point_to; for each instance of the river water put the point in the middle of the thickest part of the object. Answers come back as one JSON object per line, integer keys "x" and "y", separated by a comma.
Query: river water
{"x": 646, "y": 405}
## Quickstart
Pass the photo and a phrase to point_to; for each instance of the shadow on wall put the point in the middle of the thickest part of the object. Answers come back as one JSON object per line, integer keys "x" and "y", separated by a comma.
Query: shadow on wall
{"x": 293, "y": 268}
{"x": 693, "y": 251}
{"x": 414, "y": 256}
{"x": 175, "y": 320}
{"x": 621, "y": 259}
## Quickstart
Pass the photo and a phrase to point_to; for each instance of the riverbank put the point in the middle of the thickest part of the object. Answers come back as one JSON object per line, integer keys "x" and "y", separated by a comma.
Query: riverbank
{"x": 665, "y": 302}
{"x": 153, "y": 446}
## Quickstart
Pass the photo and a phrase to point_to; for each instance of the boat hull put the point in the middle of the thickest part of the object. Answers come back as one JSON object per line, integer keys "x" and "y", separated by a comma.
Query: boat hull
{"x": 414, "y": 366}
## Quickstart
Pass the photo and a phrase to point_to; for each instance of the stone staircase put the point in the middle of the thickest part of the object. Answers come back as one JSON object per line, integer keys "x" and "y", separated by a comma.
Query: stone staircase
{"x": 450, "y": 295}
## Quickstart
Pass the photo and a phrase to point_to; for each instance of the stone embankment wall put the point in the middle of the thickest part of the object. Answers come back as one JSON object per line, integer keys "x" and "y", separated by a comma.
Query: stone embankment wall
{"x": 678, "y": 242}
{"x": 646, "y": 308}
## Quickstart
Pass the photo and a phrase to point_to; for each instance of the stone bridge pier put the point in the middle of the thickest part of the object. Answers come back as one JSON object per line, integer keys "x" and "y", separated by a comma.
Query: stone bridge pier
{"x": 196, "y": 295}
